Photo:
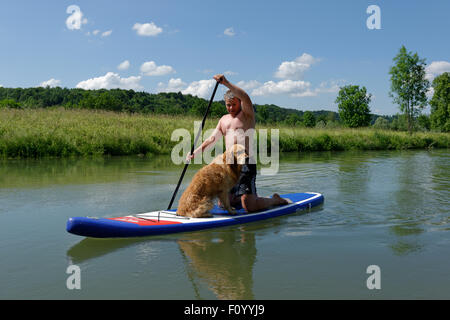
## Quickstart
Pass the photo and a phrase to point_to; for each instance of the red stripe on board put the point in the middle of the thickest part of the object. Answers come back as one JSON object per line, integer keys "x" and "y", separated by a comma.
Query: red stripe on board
{"x": 144, "y": 222}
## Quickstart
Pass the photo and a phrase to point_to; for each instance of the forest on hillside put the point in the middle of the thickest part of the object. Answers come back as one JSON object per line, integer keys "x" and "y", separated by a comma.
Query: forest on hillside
{"x": 171, "y": 103}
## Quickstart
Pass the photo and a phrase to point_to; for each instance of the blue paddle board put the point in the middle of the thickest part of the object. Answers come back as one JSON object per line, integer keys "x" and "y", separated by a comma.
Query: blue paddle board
{"x": 166, "y": 221}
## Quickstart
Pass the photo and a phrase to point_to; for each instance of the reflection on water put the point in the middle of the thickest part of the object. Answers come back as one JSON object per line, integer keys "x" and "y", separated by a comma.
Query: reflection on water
{"x": 224, "y": 260}
{"x": 391, "y": 205}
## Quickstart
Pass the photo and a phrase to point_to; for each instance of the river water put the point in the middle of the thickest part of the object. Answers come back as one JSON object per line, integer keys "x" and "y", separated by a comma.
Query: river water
{"x": 388, "y": 209}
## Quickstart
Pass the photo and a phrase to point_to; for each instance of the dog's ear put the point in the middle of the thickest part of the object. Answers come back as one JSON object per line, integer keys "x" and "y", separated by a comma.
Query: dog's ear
{"x": 239, "y": 154}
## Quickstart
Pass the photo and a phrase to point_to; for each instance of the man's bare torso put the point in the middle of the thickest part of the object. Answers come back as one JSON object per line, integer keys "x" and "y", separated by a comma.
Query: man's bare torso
{"x": 238, "y": 129}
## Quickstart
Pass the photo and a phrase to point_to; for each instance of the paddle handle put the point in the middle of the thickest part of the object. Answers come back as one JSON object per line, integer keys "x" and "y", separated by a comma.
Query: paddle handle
{"x": 193, "y": 146}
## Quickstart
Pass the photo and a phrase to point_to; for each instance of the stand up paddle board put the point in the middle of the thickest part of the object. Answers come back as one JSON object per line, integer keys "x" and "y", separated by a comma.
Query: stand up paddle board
{"x": 167, "y": 221}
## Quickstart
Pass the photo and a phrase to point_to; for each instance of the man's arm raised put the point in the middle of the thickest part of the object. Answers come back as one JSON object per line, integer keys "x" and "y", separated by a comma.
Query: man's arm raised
{"x": 246, "y": 103}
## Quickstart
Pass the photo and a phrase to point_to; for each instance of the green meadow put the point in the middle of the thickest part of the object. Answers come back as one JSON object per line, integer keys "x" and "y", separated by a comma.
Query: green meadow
{"x": 60, "y": 132}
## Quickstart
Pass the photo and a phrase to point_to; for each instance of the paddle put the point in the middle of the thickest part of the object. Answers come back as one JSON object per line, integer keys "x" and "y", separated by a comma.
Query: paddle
{"x": 193, "y": 146}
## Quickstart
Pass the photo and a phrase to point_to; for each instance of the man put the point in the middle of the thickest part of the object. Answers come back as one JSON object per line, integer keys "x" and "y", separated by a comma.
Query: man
{"x": 240, "y": 118}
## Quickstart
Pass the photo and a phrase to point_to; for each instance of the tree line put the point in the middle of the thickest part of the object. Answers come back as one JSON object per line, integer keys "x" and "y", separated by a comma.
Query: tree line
{"x": 170, "y": 103}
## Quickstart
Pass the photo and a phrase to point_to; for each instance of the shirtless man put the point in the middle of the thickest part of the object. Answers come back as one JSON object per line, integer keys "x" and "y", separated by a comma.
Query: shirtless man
{"x": 241, "y": 115}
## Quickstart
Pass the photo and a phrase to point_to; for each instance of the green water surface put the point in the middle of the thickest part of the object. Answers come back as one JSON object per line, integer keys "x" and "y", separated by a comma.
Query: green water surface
{"x": 390, "y": 209}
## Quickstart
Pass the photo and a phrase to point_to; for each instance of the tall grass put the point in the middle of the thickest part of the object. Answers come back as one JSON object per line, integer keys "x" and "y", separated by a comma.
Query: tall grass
{"x": 66, "y": 132}
{"x": 336, "y": 139}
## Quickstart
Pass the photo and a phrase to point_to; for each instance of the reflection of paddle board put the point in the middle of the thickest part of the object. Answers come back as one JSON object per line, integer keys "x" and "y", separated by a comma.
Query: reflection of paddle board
{"x": 164, "y": 222}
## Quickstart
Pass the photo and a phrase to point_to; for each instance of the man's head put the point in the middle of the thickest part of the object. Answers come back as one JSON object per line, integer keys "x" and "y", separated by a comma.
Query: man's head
{"x": 232, "y": 103}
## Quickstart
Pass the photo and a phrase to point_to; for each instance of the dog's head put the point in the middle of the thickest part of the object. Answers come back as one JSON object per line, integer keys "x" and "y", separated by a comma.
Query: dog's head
{"x": 235, "y": 155}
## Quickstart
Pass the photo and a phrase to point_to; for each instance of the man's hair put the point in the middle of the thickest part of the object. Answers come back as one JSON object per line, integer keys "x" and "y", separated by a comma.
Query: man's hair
{"x": 228, "y": 95}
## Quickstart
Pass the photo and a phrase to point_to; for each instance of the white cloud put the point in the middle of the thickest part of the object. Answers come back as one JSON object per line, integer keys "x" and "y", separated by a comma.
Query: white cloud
{"x": 174, "y": 85}
{"x": 291, "y": 87}
{"x": 147, "y": 29}
{"x": 124, "y": 65}
{"x": 201, "y": 88}
{"x": 436, "y": 68}
{"x": 229, "y": 32}
{"x": 248, "y": 85}
{"x": 106, "y": 33}
{"x": 75, "y": 20}
{"x": 95, "y": 32}
{"x": 150, "y": 68}
{"x": 50, "y": 83}
{"x": 294, "y": 70}
{"x": 111, "y": 80}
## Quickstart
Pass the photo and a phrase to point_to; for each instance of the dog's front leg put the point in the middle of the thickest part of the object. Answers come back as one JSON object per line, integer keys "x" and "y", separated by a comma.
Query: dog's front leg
{"x": 225, "y": 200}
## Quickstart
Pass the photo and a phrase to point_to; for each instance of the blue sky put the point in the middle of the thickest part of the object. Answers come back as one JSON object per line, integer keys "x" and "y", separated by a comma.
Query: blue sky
{"x": 294, "y": 54}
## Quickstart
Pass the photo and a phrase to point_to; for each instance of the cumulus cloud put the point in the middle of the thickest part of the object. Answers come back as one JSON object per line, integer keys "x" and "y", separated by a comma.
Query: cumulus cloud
{"x": 293, "y": 88}
{"x": 174, "y": 85}
{"x": 75, "y": 20}
{"x": 295, "y": 69}
{"x": 147, "y": 29}
{"x": 292, "y": 85}
{"x": 229, "y": 32}
{"x": 436, "y": 68}
{"x": 111, "y": 80}
{"x": 150, "y": 68}
{"x": 50, "y": 83}
{"x": 124, "y": 65}
{"x": 201, "y": 88}
{"x": 248, "y": 85}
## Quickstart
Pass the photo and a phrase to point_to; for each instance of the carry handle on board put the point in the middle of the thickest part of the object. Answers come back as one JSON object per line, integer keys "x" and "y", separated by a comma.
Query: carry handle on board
{"x": 193, "y": 146}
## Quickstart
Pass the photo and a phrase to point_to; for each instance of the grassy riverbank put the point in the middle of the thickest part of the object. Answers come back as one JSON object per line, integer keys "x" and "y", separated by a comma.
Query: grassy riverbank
{"x": 61, "y": 132}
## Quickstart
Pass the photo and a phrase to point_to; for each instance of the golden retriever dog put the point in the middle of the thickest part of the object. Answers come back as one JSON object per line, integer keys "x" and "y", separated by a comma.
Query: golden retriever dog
{"x": 214, "y": 180}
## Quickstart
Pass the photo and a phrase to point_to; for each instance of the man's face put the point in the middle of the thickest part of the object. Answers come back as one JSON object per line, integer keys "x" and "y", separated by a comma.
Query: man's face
{"x": 233, "y": 106}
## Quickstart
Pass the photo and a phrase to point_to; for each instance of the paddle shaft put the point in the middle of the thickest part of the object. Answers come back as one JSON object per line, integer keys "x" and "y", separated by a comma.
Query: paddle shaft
{"x": 193, "y": 146}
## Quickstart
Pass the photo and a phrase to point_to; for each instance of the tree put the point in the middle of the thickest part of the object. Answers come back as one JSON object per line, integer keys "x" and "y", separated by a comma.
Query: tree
{"x": 293, "y": 119}
{"x": 9, "y": 103}
{"x": 308, "y": 119}
{"x": 381, "y": 123}
{"x": 399, "y": 123}
{"x": 408, "y": 84}
{"x": 353, "y": 103}
{"x": 440, "y": 103}
{"x": 424, "y": 122}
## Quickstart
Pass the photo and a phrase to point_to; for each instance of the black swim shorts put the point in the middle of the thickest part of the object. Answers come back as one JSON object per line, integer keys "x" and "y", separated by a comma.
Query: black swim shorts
{"x": 246, "y": 183}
